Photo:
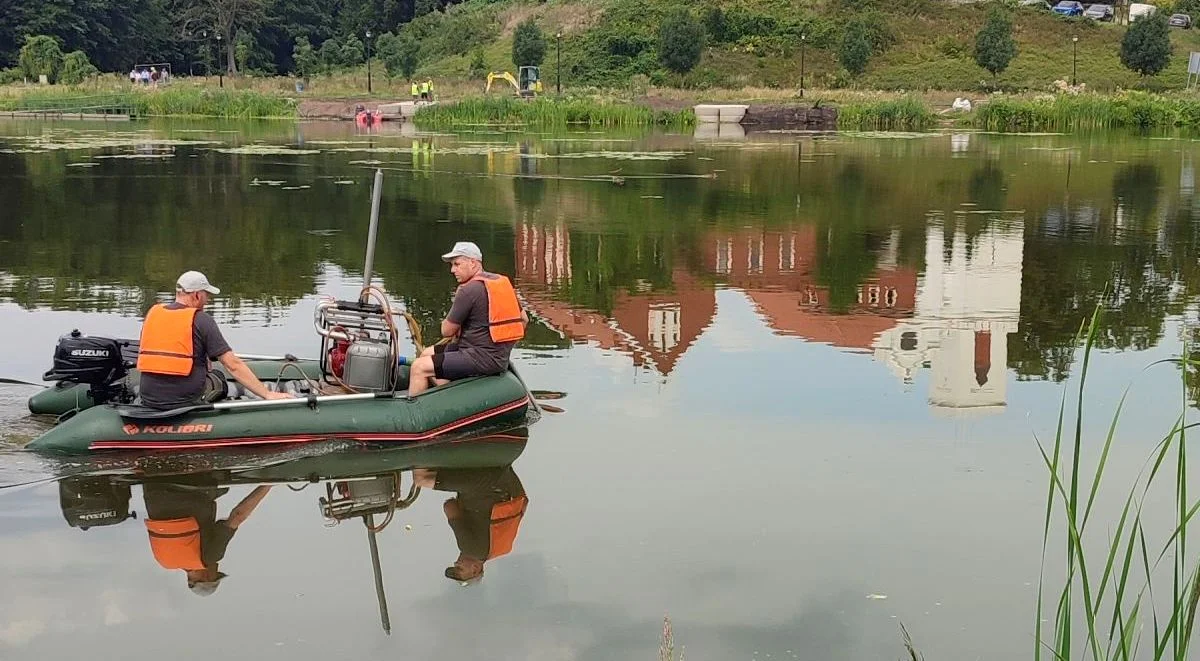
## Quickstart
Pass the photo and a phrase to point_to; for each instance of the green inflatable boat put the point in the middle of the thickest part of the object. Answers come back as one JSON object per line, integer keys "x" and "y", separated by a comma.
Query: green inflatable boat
{"x": 355, "y": 390}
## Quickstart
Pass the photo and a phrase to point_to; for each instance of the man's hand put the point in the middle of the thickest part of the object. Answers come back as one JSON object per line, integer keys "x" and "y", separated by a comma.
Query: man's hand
{"x": 278, "y": 395}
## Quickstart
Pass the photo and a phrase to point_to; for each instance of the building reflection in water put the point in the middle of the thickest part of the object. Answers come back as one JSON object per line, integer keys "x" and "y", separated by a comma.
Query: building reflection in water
{"x": 954, "y": 319}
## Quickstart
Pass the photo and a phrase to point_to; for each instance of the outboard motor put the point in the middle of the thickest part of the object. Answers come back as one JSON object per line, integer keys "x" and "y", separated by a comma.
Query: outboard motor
{"x": 98, "y": 362}
{"x": 91, "y": 502}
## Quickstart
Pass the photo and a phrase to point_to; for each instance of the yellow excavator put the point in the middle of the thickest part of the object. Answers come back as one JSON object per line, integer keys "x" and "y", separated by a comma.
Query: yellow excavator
{"x": 528, "y": 83}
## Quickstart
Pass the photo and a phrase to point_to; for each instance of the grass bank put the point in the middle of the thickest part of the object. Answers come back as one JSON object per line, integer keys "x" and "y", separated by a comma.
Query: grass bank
{"x": 549, "y": 112}
{"x": 180, "y": 101}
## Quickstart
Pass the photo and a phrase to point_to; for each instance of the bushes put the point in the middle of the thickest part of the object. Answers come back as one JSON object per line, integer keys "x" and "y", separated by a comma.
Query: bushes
{"x": 76, "y": 68}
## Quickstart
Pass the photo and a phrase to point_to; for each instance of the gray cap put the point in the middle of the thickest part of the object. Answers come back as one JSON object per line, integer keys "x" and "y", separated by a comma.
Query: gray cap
{"x": 205, "y": 588}
{"x": 194, "y": 281}
{"x": 463, "y": 249}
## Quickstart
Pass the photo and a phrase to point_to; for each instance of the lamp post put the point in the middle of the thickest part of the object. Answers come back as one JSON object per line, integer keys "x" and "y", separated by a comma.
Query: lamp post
{"x": 368, "y": 61}
{"x": 558, "y": 62}
{"x": 1074, "y": 49}
{"x": 802, "y": 39}
{"x": 220, "y": 64}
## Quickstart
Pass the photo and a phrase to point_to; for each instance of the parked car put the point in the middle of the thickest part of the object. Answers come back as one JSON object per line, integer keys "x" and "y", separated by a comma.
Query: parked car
{"x": 1068, "y": 8}
{"x": 1139, "y": 9}
{"x": 1180, "y": 21}
{"x": 1099, "y": 12}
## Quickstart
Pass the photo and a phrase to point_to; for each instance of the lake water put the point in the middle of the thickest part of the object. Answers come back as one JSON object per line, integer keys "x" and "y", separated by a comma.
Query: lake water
{"x": 804, "y": 379}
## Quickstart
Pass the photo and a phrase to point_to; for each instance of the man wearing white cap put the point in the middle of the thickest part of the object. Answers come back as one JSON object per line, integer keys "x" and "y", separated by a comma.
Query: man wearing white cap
{"x": 179, "y": 341}
{"x": 486, "y": 318}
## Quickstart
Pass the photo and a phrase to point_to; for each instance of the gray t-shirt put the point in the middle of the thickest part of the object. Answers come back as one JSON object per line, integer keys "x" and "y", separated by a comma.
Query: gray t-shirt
{"x": 470, "y": 310}
{"x": 163, "y": 391}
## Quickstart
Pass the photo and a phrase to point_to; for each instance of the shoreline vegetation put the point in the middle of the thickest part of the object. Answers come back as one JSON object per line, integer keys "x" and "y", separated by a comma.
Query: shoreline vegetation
{"x": 670, "y": 109}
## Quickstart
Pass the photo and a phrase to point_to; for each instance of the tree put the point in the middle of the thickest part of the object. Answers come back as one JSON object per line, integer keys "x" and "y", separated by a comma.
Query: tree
{"x": 352, "y": 53}
{"x": 305, "y": 59}
{"x": 529, "y": 46}
{"x": 479, "y": 67}
{"x": 855, "y": 50}
{"x": 241, "y": 53}
{"x": 680, "y": 41}
{"x": 1146, "y": 47}
{"x": 331, "y": 54}
{"x": 40, "y": 56}
{"x": 228, "y": 17}
{"x": 994, "y": 44}
{"x": 76, "y": 68}
{"x": 422, "y": 7}
{"x": 400, "y": 54}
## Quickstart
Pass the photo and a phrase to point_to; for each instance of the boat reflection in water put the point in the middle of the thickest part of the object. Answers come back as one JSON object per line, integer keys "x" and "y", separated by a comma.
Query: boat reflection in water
{"x": 185, "y": 531}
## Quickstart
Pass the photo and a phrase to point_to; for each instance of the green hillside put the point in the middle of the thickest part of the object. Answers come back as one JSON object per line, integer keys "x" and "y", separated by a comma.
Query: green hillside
{"x": 919, "y": 45}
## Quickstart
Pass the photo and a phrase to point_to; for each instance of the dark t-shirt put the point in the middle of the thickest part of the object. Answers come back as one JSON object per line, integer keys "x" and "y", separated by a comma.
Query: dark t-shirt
{"x": 470, "y": 310}
{"x": 163, "y": 391}
{"x": 168, "y": 501}
{"x": 478, "y": 490}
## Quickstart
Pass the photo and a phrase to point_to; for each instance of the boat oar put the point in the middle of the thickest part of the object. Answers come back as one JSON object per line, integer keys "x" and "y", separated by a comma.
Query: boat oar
{"x": 369, "y": 522}
{"x": 139, "y": 413}
{"x": 19, "y": 382}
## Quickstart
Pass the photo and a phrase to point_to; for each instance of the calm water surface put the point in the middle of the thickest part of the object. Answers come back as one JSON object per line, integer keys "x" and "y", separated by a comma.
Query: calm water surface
{"x": 804, "y": 377}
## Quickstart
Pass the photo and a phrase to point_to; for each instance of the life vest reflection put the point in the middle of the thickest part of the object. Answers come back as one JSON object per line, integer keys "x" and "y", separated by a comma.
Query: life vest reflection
{"x": 186, "y": 531}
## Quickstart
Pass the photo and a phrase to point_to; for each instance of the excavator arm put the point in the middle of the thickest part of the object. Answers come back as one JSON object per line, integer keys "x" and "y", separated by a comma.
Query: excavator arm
{"x": 501, "y": 75}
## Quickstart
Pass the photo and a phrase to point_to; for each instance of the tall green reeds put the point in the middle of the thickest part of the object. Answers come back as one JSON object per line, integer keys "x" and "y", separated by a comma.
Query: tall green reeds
{"x": 1066, "y": 112}
{"x": 179, "y": 101}
{"x": 904, "y": 114}
{"x": 1124, "y": 590}
{"x": 547, "y": 112}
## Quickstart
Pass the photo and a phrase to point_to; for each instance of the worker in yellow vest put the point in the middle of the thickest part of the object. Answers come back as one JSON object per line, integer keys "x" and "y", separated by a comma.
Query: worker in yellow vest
{"x": 414, "y": 90}
{"x": 425, "y": 91}
{"x": 429, "y": 84}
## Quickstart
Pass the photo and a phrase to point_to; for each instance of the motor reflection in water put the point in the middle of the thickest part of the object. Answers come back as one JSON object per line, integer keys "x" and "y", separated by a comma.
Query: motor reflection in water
{"x": 185, "y": 530}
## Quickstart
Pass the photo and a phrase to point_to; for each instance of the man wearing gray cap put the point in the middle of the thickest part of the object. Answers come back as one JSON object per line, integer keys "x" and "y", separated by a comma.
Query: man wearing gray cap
{"x": 486, "y": 318}
{"x": 179, "y": 341}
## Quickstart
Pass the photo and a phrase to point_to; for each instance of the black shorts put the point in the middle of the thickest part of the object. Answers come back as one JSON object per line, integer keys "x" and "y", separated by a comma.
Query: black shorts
{"x": 450, "y": 363}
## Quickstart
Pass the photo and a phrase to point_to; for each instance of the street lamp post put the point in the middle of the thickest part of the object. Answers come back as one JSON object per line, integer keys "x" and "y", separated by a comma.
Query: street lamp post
{"x": 220, "y": 64}
{"x": 1074, "y": 49}
{"x": 368, "y": 61}
{"x": 802, "y": 39}
{"x": 558, "y": 62}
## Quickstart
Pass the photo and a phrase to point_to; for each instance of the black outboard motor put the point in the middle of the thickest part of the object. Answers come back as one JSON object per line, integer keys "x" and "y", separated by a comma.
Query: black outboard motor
{"x": 98, "y": 362}
{"x": 91, "y": 502}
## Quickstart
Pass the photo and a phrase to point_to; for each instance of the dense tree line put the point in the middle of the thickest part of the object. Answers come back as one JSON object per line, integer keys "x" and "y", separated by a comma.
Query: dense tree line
{"x": 118, "y": 35}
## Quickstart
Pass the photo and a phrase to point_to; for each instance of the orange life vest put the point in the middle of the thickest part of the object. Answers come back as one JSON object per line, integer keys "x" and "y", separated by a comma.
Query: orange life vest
{"x": 504, "y": 310}
{"x": 506, "y": 519}
{"x": 166, "y": 346}
{"x": 175, "y": 542}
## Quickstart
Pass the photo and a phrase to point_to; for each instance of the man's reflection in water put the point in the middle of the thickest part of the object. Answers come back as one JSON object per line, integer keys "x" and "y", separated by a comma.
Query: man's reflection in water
{"x": 186, "y": 534}
{"x": 485, "y": 513}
